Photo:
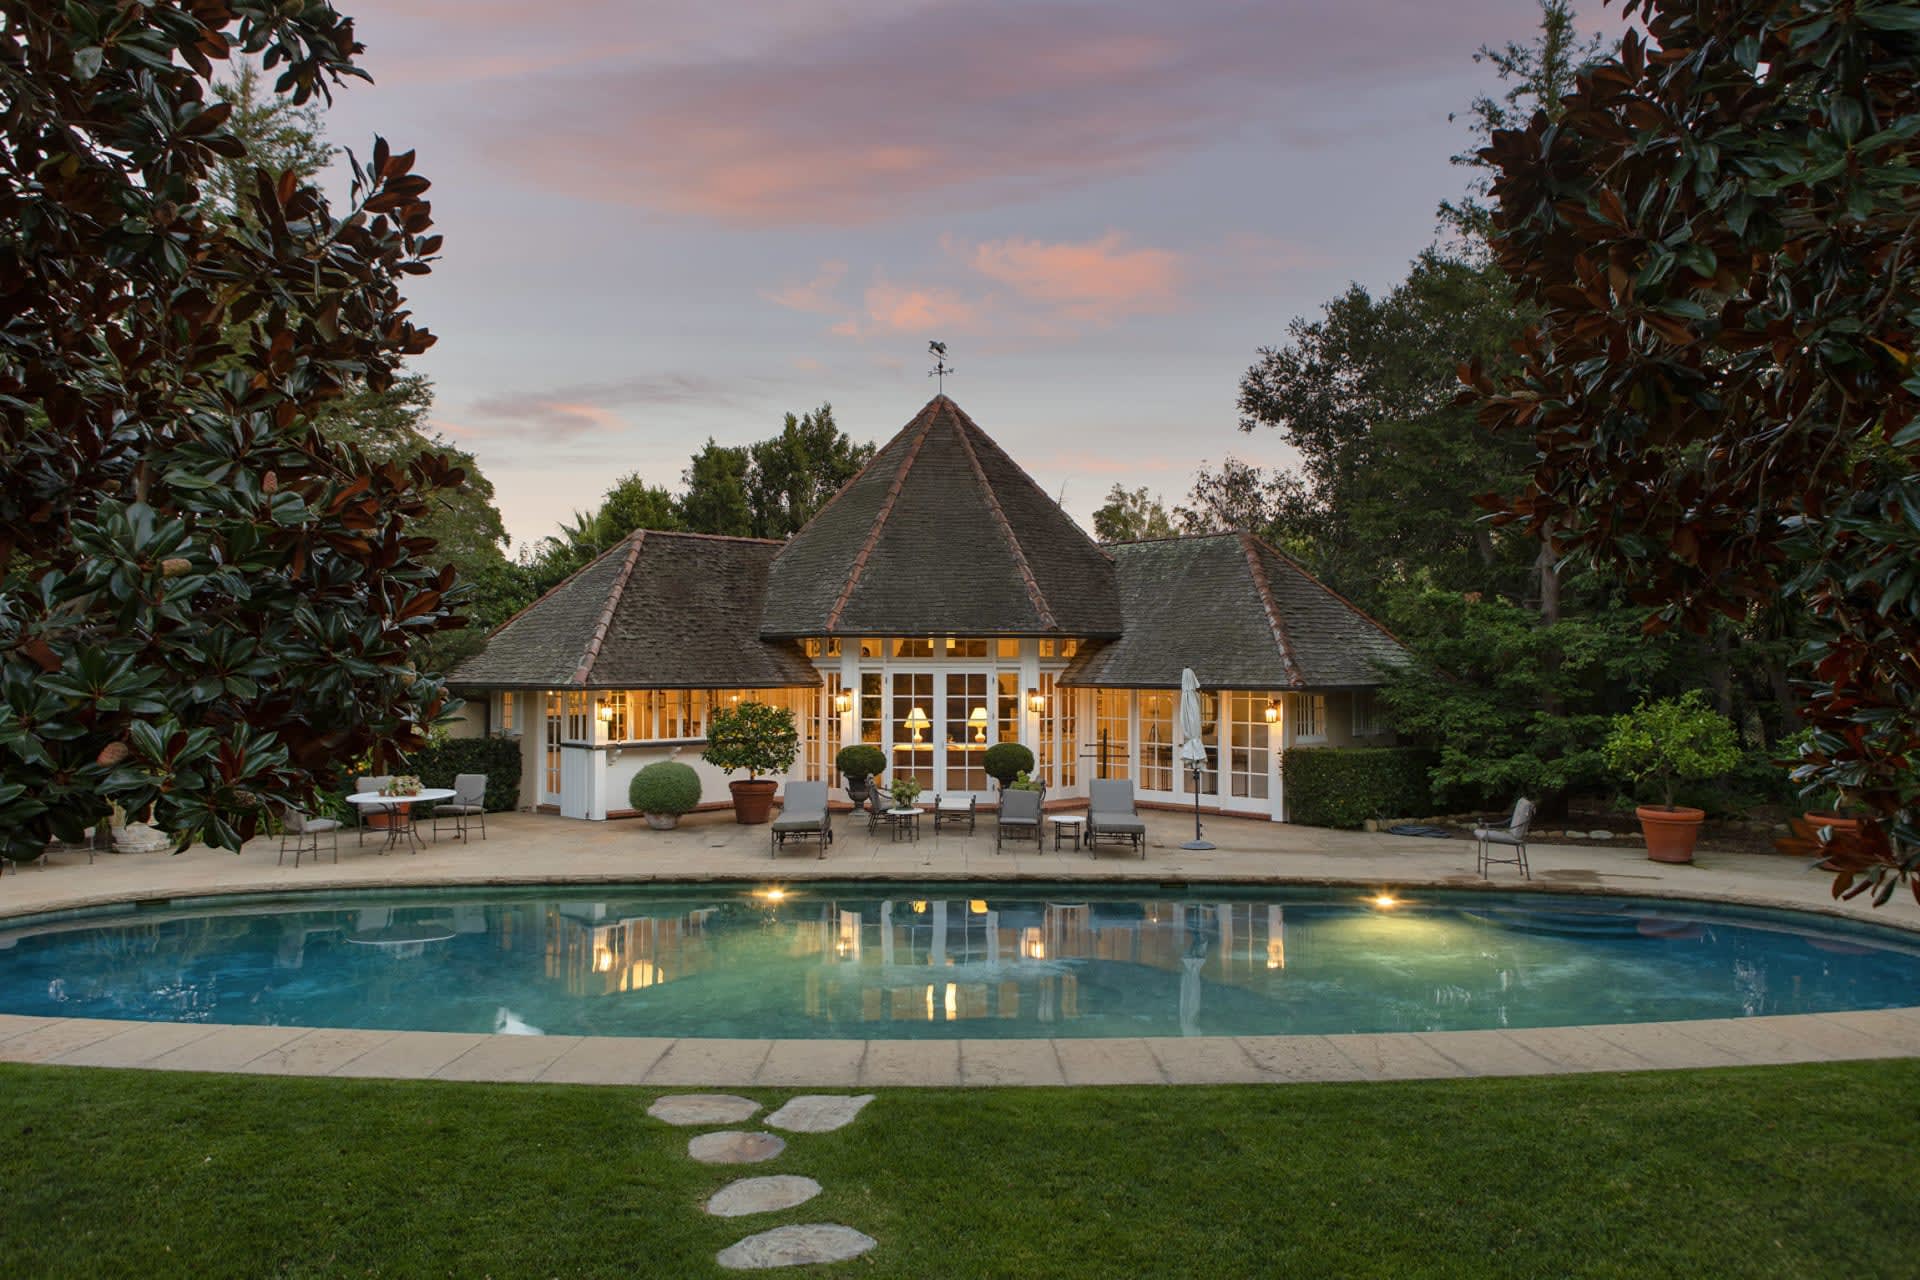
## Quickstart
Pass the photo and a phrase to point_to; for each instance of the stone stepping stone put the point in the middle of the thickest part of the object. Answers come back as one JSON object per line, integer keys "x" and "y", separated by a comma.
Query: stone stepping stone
{"x": 818, "y": 1112}
{"x": 730, "y": 1146}
{"x": 796, "y": 1246}
{"x": 761, "y": 1195}
{"x": 702, "y": 1108}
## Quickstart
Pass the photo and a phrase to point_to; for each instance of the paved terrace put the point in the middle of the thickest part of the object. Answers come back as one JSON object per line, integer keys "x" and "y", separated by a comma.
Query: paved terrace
{"x": 524, "y": 849}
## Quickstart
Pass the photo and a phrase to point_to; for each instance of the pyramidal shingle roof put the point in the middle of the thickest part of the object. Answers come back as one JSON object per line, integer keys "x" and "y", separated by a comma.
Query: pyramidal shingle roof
{"x": 658, "y": 611}
{"x": 942, "y": 534}
{"x": 1238, "y": 612}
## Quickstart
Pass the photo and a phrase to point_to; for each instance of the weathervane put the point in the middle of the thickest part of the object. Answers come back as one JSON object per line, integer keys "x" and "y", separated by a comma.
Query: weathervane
{"x": 940, "y": 370}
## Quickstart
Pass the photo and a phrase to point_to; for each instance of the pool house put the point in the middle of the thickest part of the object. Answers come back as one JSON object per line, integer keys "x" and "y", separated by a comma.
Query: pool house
{"x": 940, "y": 603}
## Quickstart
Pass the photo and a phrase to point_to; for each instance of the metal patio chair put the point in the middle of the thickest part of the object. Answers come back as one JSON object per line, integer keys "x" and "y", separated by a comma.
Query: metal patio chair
{"x": 1511, "y": 834}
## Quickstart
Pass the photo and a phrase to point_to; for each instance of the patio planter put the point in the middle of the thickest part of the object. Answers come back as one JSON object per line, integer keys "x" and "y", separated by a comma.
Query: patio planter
{"x": 1670, "y": 830}
{"x": 753, "y": 801}
{"x": 662, "y": 821}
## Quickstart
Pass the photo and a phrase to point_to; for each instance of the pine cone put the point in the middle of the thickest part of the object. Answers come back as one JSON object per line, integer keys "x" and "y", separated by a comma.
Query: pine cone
{"x": 270, "y": 483}
{"x": 112, "y": 754}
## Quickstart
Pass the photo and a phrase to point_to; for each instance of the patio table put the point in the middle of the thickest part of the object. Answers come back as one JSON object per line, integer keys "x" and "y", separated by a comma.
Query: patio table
{"x": 904, "y": 820}
{"x": 399, "y": 811}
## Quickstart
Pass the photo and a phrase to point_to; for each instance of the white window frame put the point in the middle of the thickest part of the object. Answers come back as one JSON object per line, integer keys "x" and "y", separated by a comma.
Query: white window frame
{"x": 1310, "y": 717}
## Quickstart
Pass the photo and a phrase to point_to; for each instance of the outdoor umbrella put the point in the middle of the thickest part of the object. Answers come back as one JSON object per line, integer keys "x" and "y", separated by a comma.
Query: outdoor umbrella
{"x": 1193, "y": 751}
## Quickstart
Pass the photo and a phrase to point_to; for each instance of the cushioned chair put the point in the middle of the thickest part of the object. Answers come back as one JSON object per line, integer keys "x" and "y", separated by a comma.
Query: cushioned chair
{"x": 1110, "y": 814}
{"x": 954, "y": 811}
{"x": 1510, "y": 835}
{"x": 1019, "y": 814}
{"x": 361, "y": 813}
{"x": 305, "y": 833}
{"x": 803, "y": 816}
{"x": 469, "y": 803}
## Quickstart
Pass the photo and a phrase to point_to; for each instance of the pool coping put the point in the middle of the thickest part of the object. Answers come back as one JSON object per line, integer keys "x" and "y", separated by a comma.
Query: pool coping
{"x": 958, "y": 1062}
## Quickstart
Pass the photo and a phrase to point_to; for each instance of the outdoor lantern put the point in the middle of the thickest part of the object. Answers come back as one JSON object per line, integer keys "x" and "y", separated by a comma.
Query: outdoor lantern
{"x": 843, "y": 701}
{"x": 979, "y": 722}
{"x": 1036, "y": 701}
{"x": 916, "y": 721}
{"x": 1273, "y": 711}
{"x": 603, "y": 710}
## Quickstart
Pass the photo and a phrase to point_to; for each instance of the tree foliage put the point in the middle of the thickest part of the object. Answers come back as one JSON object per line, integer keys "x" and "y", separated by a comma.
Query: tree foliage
{"x": 206, "y": 605}
{"x": 1668, "y": 740}
{"x": 1720, "y": 233}
{"x": 794, "y": 474}
{"x": 1128, "y": 514}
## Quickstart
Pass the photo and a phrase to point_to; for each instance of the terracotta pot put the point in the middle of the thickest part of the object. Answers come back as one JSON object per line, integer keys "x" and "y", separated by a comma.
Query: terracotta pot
{"x": 1670, "y": 832}
{"x": 1841, "y": 825}
{"x": 753, "y": 801}
{"x": 662, "y": 821}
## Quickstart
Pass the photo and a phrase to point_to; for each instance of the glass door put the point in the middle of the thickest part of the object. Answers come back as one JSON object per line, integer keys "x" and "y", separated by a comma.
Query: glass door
{"x": 550, "y": 782}
{"x": 966, "y": 731}
{"x": 912, "y": 727}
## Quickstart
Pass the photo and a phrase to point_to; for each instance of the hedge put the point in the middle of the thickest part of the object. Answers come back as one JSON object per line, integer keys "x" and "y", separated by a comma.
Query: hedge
{"x": 498, "y": 758}
{"x": 1344, "y": 786}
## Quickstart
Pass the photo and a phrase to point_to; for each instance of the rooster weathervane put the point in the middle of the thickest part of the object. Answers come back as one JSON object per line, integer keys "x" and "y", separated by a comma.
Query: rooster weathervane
{"x": 940, "y": 370}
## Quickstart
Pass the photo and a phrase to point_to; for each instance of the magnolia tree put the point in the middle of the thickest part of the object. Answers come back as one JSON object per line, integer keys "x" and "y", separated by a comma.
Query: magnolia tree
{"x": 205, "y": 607}
{"x": 1721, "y": 229}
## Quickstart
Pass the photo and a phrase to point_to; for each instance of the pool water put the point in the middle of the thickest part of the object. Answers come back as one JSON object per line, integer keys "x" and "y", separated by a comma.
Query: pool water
{"x": 947, "y": 961}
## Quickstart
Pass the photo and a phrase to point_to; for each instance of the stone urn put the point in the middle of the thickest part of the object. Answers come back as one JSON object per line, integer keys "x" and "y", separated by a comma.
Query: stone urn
{"x": 860, "y": 791}
{"x": 662, "y": 821}
{"x": 138, "y": 837}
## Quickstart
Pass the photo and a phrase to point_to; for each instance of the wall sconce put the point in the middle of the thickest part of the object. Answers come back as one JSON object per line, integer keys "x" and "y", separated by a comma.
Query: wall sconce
{"x": 1036, "y": 701}
{"x": 843, "y": 702}
{"x": 979, "y": 722}
{"x": 1272, "y": 712}
{"x": 603, "y": 711}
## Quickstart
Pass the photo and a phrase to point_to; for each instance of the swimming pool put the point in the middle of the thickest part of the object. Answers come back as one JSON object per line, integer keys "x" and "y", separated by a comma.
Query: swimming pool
{"x": 931, "y": 961}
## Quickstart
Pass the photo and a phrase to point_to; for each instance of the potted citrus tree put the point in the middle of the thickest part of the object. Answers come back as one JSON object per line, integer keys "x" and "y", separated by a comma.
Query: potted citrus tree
{"x": 860, "y": 762}
{"x": 1672, "y": 740}
{"x": 663, "y": 791}
{"x": 756, "y": 738}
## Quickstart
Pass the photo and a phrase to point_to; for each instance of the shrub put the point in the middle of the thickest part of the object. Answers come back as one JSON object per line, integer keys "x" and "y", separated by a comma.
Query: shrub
{"x": 904, "y": 791}
{"x": 1673, "y": 740}
{"x": 1344, "y": 786}
{"x": 498, "y": 758}
{"x": 752, "y": 736}
{"x": 665, "y": 786}
{"x": 861, "y": 760}
{"x": 1006, "y": 761}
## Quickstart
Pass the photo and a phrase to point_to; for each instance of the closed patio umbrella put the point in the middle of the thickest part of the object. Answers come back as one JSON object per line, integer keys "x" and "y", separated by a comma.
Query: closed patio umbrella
{"x": 1193, "y": 750}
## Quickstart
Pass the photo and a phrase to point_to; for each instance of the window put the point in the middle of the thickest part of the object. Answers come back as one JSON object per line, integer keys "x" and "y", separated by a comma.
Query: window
{"x": 1008, "y": 649}
{"x": 913, "y": 734}
{"x": 554, "y": 723}
{"x": 1309, "y": 712}
{"x": 617, "y": 725}
{"x": 1111, "y": 710}
{"x": 1007, "y": 706}
{"x": 577, "y": 716}
{"x": 824, "y": 745}
{"x": 1067, "y": 716}
{"x": 873, "y": 647}
{"x": 913, "y": 647}
{"x": 872, "y": 706}
{"x": 965, "y": 647}
{"x": 1369, "y": 717}
{"x": 1156, "y": 740}
{"x": 1046, "y": 763}
{"x": 508, "y": 728}
{"x": 968, "y": 731}
{"x": 821, "y": 647}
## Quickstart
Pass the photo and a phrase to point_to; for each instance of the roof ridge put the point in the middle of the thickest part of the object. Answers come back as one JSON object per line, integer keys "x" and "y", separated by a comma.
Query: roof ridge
{"x": 1022, "y": 472}
{"x": 1274, "y": 620}
{"x": 1034, "y": 593}
{"x": 1306, "y": 573}
{"x": 880, "y": 518}
{"x": 592, "y": 655}
{"x": 1173, "y": 537}
{"x": 544, "y": 595}
{"x": 714, "y": 537}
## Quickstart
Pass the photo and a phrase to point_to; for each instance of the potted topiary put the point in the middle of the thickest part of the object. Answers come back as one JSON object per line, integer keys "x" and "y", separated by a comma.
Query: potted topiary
{"x": 1006, "y": 761}
{"x": 1671, "y": 740}
{"x": 663, "y": 791}
{"x": 760, "y": 739}
{"x": 860, "y": 762}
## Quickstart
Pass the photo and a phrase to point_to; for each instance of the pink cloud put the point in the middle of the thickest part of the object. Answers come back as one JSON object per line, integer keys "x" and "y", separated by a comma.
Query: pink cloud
{"x": 893, "y": 309}
{"x": 817, "y": 294}
{"x": 1091, "y": 282}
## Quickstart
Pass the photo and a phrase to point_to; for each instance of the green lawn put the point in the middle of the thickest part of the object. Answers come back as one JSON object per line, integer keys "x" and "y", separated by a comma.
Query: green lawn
{"x": 1776, "y": 1171}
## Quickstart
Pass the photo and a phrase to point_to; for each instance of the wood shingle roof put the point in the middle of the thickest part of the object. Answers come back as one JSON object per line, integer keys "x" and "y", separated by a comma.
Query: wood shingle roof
{"x": 658, "y": 611}
{"x": 1238, "y": 612}
{"x": 942, "y": 534}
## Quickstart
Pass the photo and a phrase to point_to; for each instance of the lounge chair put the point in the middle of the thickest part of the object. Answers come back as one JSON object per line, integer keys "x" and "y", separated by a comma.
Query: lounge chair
{"x": 954, "y": 810}
{"x": 1511, "y": 834}
{"x": 1110, "y": 815}
{"x": 1019, "y": 814}
{"x": 362, "y": 813}
{"x": 804, "y": 816}
{"x": 469, "y": 802}
{"x": 305, "y": 832}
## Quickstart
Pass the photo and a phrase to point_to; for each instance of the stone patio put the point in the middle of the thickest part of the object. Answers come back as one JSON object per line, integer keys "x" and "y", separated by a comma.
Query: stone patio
{"x": 526, "y": 848}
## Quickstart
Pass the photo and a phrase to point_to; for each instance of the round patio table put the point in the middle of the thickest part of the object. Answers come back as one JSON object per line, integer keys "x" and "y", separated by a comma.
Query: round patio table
{"x": 399, "y": 811}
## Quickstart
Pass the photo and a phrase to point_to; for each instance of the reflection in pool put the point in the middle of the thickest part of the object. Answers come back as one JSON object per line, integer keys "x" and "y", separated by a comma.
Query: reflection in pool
{"x": 938, "y": 961}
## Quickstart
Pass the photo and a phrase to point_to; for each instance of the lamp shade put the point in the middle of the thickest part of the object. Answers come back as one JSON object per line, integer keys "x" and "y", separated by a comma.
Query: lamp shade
{"x": 979, "y": 715}
{"x": 917, "y": 719}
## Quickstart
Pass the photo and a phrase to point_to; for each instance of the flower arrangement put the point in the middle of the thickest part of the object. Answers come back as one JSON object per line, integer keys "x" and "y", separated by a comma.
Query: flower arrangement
{"x": 405, "y": 784}
{"x": 904, "y": 792}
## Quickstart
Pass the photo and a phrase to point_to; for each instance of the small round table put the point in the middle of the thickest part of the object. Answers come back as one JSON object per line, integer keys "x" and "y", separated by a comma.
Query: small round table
{"x": 399, "y": 811}
{"x": 907, "y": 820}
{"x": 1065, "y": 822}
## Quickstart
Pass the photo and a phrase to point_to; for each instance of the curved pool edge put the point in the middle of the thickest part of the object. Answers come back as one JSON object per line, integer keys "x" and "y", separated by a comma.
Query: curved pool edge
{"x": 856, "y": 1064}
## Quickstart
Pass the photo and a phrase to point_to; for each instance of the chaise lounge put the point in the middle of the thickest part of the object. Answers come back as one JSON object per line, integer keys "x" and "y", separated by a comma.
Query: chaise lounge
{"x": 1110, "y": 815}
{"x": 803, "y": 816}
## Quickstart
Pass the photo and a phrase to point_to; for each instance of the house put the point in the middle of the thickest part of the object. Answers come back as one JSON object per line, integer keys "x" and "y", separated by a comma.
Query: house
{"x": 940, "y": 603}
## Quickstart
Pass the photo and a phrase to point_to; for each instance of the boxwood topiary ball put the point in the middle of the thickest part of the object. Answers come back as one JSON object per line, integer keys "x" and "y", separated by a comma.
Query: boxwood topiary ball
{"x": 665, "y": 786}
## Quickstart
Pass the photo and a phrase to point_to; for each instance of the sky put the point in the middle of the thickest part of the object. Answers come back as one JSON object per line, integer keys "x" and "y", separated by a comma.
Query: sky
{"x": 672, "y": 220}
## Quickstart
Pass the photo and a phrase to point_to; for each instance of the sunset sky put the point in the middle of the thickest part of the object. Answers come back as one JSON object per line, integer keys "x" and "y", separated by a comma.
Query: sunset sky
{"x": 668, "y": 220}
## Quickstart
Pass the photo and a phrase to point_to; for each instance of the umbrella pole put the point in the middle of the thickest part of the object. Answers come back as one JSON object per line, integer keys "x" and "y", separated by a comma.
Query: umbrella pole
{"x": 1197, "y": 842}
